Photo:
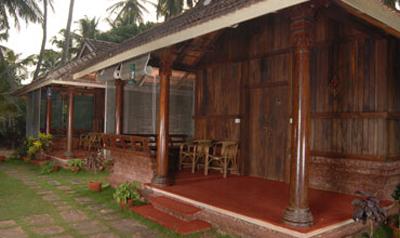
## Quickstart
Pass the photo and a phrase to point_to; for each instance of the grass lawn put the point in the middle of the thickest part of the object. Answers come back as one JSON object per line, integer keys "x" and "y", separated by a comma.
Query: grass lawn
{"x": 19, "y": 200}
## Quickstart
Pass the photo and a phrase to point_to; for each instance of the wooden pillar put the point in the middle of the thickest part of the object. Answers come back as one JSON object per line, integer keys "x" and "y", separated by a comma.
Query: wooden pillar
{"x": 162, "y": 178}
{"x": 119, "y": 97}
{"x": 70, "y": 128}
{"x": 48, "y": 112}
{"x": 298, "y": 212}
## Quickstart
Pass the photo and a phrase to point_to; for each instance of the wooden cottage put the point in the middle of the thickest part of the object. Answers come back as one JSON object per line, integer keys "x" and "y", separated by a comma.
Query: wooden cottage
{"x": 307, "y": 88}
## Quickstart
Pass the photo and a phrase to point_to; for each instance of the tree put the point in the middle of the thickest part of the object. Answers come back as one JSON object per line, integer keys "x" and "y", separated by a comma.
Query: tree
{"x": 12, "y": 117}
{"x": 88, "y": 27}
{"x": 120, "y": 33}
{"x": 59, "y": 42}
{"x": 50, "y": 60}
{"x": 170, "y": 8}
{"x": 66, "y": 48}
{"x": 44, "y": 38}
{"x": 128, "y": 11}
{"x": 27, "y": 10}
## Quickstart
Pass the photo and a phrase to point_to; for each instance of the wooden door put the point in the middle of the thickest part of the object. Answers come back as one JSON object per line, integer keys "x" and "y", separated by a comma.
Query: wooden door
{"x": 268, "y": 131}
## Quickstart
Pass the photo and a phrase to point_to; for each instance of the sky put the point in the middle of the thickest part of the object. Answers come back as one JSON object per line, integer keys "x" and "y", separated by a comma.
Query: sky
{"x": 27, "y": 40}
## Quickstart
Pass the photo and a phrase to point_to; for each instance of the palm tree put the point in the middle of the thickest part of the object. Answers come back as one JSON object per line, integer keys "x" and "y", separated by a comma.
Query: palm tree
{"x": 59, "y": 42}
{"x": 170, "y": 8}
{"x": 27, "y": 10}
{"x": 12, "y": 118}
{"x": 88, "y": 27}
{"x": 66, "y": 48}
{"x": 128, "y": 11}
{"x": 44, "y": 38}
{"x": 50, "y": 60}
{"x": 13, "y": 69}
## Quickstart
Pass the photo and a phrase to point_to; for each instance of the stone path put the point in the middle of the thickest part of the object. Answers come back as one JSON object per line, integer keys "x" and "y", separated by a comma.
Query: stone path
{"x": 74, "y": 215}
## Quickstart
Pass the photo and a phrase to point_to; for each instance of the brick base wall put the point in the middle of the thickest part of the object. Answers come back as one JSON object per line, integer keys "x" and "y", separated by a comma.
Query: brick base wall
{"x": 131, "y": 166}
{"x": 349, "y": 176}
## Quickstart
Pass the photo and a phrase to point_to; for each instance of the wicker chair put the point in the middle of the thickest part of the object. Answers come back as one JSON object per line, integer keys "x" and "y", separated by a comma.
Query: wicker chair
{"x": 90, "y": 141}
{"x": 222, "y": 157}
{"x": 191, "y": 153}
{"x": 84, "y": 141}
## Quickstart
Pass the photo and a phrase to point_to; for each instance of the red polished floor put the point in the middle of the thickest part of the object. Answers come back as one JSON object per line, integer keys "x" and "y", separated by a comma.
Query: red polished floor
{"x": 260, "y": 198}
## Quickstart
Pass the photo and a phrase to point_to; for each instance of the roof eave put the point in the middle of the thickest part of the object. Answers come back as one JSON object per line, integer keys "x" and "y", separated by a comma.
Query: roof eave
{"x": 32, "y": 87}
{"x": 375, "y": 13}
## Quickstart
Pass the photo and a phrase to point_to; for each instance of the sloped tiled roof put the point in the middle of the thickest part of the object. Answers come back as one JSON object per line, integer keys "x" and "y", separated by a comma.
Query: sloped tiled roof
{"x": 200, "y": 14}
{"x": 196, "y": 16}
{"x": 99, "y": 45}
{"x": 63, "y": 73}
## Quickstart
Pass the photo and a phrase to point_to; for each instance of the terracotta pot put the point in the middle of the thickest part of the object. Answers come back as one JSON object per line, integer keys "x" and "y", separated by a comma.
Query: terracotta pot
{"x": 126, "y": 204}
{"x": 94, "y": 186}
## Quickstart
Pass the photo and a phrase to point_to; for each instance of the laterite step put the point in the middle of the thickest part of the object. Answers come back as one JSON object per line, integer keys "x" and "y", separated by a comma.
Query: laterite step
{"x": 179, "y": 226}
{"x": 175, "y": 208}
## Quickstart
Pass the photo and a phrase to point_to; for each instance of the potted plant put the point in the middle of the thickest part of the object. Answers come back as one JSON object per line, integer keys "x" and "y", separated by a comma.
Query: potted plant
{"x": 367, "y": 209}
{"x": 95, "y": 186}
{"x": 126, "y": 194}
{"x": 95, "y": 162}
{"x": 75, "y": 165}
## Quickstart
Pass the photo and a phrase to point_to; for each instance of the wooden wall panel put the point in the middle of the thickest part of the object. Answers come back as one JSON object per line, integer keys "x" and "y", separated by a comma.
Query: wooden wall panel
{"x": 355, "y": 99}
{"x": 219, "y": 102}
{"x": 350, "y": 79}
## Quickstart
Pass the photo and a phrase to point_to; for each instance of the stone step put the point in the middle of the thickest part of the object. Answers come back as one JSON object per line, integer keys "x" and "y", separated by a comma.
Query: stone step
{"x": 175, "y": 208}
{"x": 173, "y": 223}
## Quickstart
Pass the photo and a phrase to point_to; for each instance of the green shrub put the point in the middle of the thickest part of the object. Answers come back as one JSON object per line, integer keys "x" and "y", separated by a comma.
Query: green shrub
{"x": 75, "y": 163}
{"x": 48, "y": 168}
{"x": 127, "y": 191}
{"x": 33, "y": 145}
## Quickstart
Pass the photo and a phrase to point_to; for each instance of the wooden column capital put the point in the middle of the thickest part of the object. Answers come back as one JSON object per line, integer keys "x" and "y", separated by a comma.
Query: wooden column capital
{"x": 118, "y": 82}
{"x": 71, "y": 90}
{"x": 301, "y": 26}
{"x": 165, "y": 68}
{"x": 298, "y": 212}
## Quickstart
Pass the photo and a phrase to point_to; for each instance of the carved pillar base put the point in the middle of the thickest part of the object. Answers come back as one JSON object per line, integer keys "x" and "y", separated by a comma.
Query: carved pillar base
{"x": 298, "y": 217}
{"x": 162, "y": 181}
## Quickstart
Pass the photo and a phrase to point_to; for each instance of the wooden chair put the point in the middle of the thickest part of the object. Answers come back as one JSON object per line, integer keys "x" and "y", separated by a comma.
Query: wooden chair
{"x": 95, "y": 142}
{"x": 222, "y": 157}
{"x": 90, "y": 141}
{"x": 191, "y": 153}
{"x": 84, "y": 141}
